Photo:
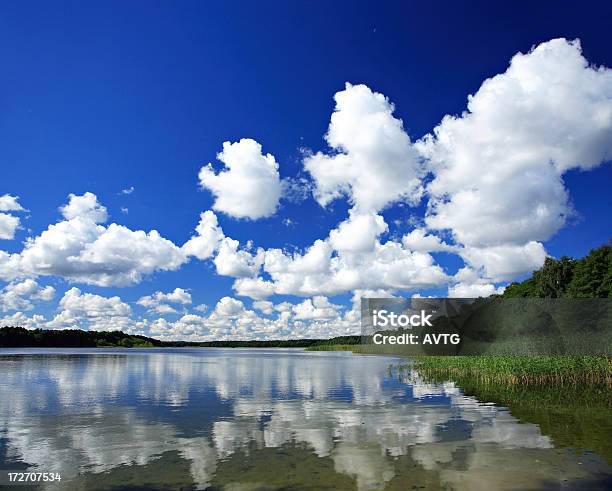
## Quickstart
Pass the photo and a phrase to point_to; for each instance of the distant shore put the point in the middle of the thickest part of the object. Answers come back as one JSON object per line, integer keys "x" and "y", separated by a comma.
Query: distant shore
{"x": 19, "y": 337}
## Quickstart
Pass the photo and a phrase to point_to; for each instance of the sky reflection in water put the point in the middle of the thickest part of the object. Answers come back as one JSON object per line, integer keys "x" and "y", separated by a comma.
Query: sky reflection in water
{"x": 221, "y": 418}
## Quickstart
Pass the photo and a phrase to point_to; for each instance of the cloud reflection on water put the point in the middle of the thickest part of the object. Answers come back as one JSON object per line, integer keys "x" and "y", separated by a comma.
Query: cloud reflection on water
{"x": 95, "y": 413}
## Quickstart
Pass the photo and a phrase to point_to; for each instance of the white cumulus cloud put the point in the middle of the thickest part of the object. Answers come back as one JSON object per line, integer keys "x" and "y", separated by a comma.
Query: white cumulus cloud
{"x": 208, "y": 236}
{"x": 498, "y": 167}
{"x": 238, "y": 263}
{"x": 419, "y": 240}
{"x": 374, "y": 162}
{"x": 8, "y": 226}
{"x": 158, "y": 301}
{"x": 10, "y": 203}
{"x": 8, "y": 222}
{"x": 505, "y": 262}
{"x": 264, "y": 306}
{"x": 19, "y": 295}
{"x": 317, "y": 308}
{"x": 91, "y": 312}
{"x": 359, "y": 233}
{"x": 249, "y": 187}
{"x": 85, "y": 206}
{"x": 255, "y": 288}
{"x": 228, "y": 307}
{"x": 473, "y": 290}
{"x": 80, "y": 249}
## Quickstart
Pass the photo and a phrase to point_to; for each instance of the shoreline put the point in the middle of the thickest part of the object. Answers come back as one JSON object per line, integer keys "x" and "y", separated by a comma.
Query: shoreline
{"x": 516, "y": 370}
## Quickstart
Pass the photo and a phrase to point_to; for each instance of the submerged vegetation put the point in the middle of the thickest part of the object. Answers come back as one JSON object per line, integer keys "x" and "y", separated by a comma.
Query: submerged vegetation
{"x": 573, "y": 415}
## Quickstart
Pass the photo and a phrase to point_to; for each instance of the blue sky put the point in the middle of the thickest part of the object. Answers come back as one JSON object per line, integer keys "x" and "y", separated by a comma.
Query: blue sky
{"x": 110, "y": 96}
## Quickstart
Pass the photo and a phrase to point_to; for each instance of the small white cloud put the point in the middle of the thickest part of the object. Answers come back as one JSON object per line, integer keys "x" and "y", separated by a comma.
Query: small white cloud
{"x": 419, "y": 240}
{"x": 230, "y": 261}
{"x": 255, "y": 288}
{"x": 229, "y": 307}
{"x": 178, "y": 295}
{"x": 85, "y": 206}
{"x": 8, "y": 226}
{"x": 93, "y": 305}
{"x": 164, "y": 308}
{"x": 296, "y": 190}
{"x": 158, "y": 301}
{"x": 20, "y": 295}
{"x": 23, "y": 320}
{"x": 505, "y": 262}
{"x": 129, "y": 190}
{"x": 473, "y": 290}
{"x": 250, "y": 187}
{"x": 209, "y": 235}
{"x": 10, "y": 203}
{"x": 283, "y": 307}
{"x": 317, "y": 308}
{"x": 264, "y": 306}
{"x": 359, "y": 233}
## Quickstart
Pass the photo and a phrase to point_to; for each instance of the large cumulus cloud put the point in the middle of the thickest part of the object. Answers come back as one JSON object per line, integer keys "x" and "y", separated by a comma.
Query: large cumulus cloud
{"x": 498, "y": 167}
{"x": 80, "y": 248}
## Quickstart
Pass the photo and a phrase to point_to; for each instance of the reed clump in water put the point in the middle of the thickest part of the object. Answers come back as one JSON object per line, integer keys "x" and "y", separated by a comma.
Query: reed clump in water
{"x": 521, "y": 370}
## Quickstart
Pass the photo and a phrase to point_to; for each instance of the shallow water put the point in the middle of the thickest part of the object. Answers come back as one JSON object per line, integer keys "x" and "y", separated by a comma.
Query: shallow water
{"x": 246, "y": 419}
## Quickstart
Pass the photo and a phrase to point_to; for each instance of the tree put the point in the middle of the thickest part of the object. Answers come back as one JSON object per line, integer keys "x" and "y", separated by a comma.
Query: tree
{"x": 524, "y": 289}
{"x": 593, "y": 275}
{"x": 589, "y": 277}
{"x": 553, "y": 277}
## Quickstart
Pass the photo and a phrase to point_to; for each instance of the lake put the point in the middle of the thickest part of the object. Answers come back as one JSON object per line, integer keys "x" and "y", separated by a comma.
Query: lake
{"x": 260, "y": 419}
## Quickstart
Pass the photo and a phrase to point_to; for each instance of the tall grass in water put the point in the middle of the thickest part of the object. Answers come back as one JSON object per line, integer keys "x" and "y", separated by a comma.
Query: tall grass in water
{"x": 368, "y": 349}
{"x": 521, "y": 370}
{"x": 333, "y": 347}
{"x": 502, "y": 369}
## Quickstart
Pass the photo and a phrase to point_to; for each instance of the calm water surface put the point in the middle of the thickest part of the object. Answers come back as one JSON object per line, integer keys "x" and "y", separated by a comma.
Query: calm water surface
{"x": 240, "y": 419}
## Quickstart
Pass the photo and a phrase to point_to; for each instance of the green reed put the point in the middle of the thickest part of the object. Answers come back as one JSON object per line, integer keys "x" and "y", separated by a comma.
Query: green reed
{"x": 521, "y": 370}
